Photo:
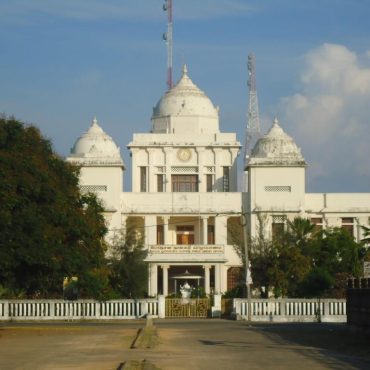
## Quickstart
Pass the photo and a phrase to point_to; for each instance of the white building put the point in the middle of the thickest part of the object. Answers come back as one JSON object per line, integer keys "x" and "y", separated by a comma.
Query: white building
{"x": 184, "y": 194}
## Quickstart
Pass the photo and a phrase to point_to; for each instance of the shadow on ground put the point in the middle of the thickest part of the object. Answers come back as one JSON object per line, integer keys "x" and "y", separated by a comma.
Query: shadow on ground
{"x": 338, "y": 345}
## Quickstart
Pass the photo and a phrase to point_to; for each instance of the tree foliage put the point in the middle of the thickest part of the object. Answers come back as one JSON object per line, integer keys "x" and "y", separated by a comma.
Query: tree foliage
{"x": 48, "y": 230}
{"x": 303, "y": 261}
{"x": 129, "y": 272}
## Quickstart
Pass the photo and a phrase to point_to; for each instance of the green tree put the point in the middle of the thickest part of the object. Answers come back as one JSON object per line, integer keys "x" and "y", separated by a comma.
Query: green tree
{"x": 129, "y": 272}
{"x": 48, "y": 230}
{"x": 303, "y": 262}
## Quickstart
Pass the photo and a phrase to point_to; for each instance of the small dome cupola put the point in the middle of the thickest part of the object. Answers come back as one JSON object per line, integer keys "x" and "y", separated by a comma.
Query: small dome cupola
{"x": 276, "y": 148}
{"x": 96, "y": 145}
{"x": 185, "y": 108}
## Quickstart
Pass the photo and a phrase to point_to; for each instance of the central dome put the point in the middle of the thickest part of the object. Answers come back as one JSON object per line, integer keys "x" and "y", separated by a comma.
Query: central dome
{"x": 185, "y": 108}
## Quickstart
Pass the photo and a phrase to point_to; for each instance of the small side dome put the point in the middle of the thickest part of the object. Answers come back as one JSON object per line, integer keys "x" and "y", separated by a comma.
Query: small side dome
{"x": 276, "y": 148}
{"x": 95, "y": 143}
{"x": 185, "y": 101}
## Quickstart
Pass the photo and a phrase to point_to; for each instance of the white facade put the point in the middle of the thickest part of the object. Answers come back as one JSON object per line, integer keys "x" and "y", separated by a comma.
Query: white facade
{"x": 184, "y": 190}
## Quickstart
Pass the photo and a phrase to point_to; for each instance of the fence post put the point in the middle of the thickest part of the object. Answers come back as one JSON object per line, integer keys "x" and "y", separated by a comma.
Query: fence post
{"x": 216, "y": 308}
{"x": 282, "y": 310}
{"x": 144, "y": 308}
{"x": 52, "y": 310}
{"x": 6, "y": 310}
{"x": 161, "y": 306}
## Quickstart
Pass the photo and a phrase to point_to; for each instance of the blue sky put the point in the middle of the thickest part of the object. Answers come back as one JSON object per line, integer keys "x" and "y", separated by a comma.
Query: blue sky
{"x": 65, "y": 61}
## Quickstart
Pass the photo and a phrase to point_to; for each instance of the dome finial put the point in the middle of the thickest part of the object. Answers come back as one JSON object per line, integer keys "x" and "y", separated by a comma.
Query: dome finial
{"x": 184, "y": 70}
{"x": 276, "y": 121}
{"x": 94, "y": 121}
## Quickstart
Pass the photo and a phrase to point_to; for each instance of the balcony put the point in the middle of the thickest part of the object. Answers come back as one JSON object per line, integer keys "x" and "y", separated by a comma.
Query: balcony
{"x": 181, "y": 203}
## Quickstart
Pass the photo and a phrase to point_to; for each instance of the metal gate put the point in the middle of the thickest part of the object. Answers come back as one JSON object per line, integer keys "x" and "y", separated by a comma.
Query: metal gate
{"x": 198, "y": 307}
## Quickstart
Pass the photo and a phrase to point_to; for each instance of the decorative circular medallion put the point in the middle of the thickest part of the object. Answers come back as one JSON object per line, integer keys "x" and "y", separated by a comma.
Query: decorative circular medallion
{"x": 184, "y": 154}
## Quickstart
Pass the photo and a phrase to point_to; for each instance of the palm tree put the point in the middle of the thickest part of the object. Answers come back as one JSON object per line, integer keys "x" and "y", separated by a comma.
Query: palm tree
{"x": 300, "y": 230}
{"x": 366, "y": 231}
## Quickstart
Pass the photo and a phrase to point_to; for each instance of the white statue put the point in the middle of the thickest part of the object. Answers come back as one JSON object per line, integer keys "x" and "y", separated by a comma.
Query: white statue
{"x": 185, "y": 290}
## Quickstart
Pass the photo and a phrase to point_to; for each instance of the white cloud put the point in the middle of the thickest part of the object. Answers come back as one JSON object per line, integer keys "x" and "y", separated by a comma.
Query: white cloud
{"x": 330, "y": 116}
{"x": 335, "y": 68}
{"x": 123, "y": 9}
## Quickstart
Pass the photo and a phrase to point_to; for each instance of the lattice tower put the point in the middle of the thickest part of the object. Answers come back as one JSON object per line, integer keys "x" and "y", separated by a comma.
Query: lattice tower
{"x": 253, "y": 132}
{"x": 167, "y": 6}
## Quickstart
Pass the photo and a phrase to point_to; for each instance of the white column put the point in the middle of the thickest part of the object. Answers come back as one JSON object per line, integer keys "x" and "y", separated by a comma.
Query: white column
{"x": 221, "y": 230}
{"x": 205, "y": 230}
{"x": 150, "y": 230}
{"x": 165, "y": 280}
{"x": 153, "y": 279}
{"x": 217, "y": 278}
{"x": 166, "y": 220}
{"x": 207, "y": 287}
{"x": 223, "y": 278}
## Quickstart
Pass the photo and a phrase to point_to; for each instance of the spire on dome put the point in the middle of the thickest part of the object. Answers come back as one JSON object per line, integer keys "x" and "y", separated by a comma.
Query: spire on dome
{"x": 184, "y": 70}
{"x": 276, "y": 121}
{"x": 95, "y": 121}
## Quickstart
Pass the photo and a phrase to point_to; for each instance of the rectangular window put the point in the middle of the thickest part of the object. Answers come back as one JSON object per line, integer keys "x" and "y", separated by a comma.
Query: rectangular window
{"x": 317, "y": 221}
{"x": 226, "y": 179}
{"x": 348, "y": 224}
{"x": 209, "y": 179}
{"x": 185, "y": 234}
{"x": 160, "y": 234}
{"x": 184, "y": 183}
{"x": 278, "y": 225}
{"x": 160, "y": 183}
{"x": 143, "y": 179}
{"x": 211, "y": 234}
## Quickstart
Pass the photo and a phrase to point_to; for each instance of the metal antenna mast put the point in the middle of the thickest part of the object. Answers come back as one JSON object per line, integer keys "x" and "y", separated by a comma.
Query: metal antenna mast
{"x": 167, "y": 6}
{"x": 253, "y": 122}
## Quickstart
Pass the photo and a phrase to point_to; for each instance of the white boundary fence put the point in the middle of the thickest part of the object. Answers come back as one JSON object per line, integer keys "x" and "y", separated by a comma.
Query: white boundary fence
{"x": 292, "y": 310}
{"x": 279, "y": 310}
{"x": 77, "y": 310}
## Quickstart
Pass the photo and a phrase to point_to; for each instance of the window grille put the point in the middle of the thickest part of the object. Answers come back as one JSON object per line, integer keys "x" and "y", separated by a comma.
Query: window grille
{"x": 209, "y": 169}
{"x": 92, "y": 188}
{"x": 278, "y": 219}
{"x": 176, "y": 169}
{"x": 279, "y": 189}
{"x": 226, "y": 179}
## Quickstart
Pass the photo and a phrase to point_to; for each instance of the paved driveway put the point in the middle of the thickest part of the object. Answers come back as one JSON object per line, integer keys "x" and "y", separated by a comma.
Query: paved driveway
{"x": 185, "y": 344}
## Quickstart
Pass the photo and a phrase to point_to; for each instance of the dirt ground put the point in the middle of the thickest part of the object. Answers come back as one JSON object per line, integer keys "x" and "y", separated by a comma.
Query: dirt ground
{"x": 184, "y": 344}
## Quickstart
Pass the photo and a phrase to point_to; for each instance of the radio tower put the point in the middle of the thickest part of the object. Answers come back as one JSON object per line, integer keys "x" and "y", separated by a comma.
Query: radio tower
{"x": 253, "y": 122}
{"x": 167, "y": 7}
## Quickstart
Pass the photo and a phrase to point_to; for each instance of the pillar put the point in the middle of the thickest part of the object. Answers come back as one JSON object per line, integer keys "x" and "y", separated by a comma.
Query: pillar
{"x": 217, "y": 278}
{"x": 150, "y": 223}
{"x": 165, "y": 280}
{"x": 207, "y": 285}
{"x": 221, "y": 230}
{"x": 166, "y": 220}
{"x": 205, "y": 230}
{"x": 153, "y": 279}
